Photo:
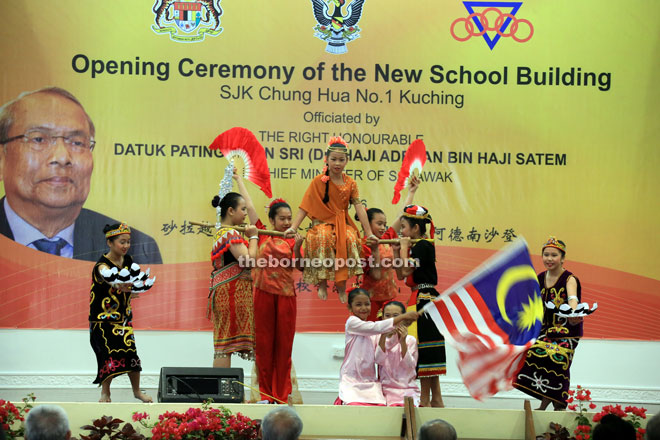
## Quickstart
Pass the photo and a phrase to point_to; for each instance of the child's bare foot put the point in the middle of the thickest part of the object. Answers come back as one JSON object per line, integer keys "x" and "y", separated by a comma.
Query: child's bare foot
{"x": 323, "y": 291}
{"x": 342, "y": 296}
{"x": 105, "y": 398}
{"x": 143, "y": 397}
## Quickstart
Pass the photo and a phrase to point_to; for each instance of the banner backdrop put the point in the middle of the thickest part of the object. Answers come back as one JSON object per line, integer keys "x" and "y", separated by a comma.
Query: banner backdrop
{"x": 540, "y": 118}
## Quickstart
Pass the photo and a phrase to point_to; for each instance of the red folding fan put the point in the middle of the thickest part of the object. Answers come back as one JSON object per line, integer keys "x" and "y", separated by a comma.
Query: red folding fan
{"x": 241, "y": 142}
{"x": 414, "y": 159}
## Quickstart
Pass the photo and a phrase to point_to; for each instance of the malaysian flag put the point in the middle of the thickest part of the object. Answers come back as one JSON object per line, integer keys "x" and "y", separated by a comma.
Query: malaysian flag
{"x": 491, "y": 317}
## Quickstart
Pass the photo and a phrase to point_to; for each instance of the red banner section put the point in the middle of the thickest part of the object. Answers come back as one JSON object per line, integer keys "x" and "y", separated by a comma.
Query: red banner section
{"x": 41, "y": 291}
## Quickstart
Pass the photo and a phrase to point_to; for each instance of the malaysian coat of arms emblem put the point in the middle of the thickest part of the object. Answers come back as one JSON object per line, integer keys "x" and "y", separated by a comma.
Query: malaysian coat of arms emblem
{"x": 187, "y": 21}
{"x": 337, "y": 29}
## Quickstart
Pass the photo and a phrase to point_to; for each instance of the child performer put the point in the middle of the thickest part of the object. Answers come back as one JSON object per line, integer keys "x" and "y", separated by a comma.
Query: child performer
{"x": 421, "y": 276}
{"x": 358, "y": 383}
{"x": 378, "y": 279}
{"x": 111, "y": 317}
{"x": 274, "y": 299}
{"x": 333, "y": 236}
{"x": 396, "y": 357}
{"x": 546, "y": 373}
{"x": 230, "y": 298}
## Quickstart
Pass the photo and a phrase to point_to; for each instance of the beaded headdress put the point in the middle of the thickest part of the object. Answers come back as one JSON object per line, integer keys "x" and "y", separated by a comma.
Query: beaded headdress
{"x": 553, "y": 242}
{"x": 122, "y": 229}
{"x": 337, "y": 144}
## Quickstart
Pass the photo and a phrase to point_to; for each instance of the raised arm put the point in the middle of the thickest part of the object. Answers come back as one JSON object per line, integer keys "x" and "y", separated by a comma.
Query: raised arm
{"x": 242, "y": 189}
{"x": 414, "y": 184}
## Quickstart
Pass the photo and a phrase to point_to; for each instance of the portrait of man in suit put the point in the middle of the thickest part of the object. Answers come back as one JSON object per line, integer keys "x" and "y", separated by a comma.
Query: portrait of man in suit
{"x": 46, "y": 163}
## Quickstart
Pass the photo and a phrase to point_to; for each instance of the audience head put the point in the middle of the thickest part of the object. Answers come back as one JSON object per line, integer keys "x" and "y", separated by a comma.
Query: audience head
{"x": 281, "y": 424}
{"x": 436, "y": 429}
{"x": 613, "y": 427}
{"x": 653, "y": 428}
{"x": 47, "y": 422}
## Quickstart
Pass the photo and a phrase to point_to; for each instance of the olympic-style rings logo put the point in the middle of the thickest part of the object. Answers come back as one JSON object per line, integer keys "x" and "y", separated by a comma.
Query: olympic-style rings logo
{"x": 498, "y": 26}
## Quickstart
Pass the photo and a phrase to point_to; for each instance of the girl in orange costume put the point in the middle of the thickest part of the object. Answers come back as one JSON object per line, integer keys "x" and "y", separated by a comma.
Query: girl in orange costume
{"x": 333, "y": 236}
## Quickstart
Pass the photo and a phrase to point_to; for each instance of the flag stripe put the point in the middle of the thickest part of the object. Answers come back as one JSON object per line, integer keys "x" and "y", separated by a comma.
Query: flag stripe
{"x": 477, "y": 316}
{"x": 469, "y": 318}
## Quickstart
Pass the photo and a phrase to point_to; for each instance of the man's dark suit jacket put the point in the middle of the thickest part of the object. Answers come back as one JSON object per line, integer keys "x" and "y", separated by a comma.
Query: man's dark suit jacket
{"x": 88, "y": 239}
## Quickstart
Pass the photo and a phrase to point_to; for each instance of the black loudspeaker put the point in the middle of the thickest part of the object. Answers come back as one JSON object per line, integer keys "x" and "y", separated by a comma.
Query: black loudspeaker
{"x": 190, "y": 385}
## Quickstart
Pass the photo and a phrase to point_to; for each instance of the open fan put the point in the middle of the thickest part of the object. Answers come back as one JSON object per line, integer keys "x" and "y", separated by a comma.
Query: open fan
{"x": 414, "y": 159}
{"x": 241, "y": 142}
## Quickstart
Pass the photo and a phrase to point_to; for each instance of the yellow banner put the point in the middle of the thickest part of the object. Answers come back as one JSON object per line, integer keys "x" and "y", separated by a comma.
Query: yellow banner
{"x": 539, "y": 117}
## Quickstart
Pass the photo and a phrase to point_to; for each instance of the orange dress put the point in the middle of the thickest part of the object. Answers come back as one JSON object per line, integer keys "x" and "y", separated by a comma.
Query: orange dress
{"x": 333, "y": 235}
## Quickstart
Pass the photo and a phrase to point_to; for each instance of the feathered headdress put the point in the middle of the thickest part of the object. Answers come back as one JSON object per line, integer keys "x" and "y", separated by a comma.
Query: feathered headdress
{"x": 421, "y": 213}
{"x": 243, "y": 143}
{"x": 414, "y": 159}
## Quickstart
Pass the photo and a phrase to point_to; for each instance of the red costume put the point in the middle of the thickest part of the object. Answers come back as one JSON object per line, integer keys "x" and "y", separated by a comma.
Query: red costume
{"x": 274, "y": 315}
{"x": 385, "y": 289}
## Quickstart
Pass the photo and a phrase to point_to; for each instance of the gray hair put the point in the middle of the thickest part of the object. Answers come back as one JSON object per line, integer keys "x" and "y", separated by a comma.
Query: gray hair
{"x": 436, "y": 429}
{"x": 7, "y": 114}
{"x": 46, "y": 422}
{"x": 281, "y": 424}
{"x": 653, "y": 428}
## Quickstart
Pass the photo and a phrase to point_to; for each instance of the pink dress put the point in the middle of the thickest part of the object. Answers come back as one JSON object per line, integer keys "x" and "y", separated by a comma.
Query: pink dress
{"x": 397, "y": 375}
{"x": 358, "y": 382}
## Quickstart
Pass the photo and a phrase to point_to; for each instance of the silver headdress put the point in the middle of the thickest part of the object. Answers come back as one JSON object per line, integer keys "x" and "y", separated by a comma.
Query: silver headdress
{"x": 226, "y": 186}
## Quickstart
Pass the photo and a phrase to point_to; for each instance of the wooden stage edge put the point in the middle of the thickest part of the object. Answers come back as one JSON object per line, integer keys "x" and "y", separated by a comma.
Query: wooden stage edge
{"x": 328, "y": 421}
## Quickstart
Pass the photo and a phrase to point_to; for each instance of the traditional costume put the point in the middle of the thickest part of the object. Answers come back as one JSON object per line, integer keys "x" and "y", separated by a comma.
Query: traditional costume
{"x": 383, "y": 290}
{"x": 274, "y": 315}
{"x": 546, "y": 372}
{"x": 397, "y": 375}
{"x": 431, "y": 344}
{"x": 358, "y": 382}
{"x": 110, "y": 321}
{"x": 230, "y": 299}
{"x": 333, "y": 234}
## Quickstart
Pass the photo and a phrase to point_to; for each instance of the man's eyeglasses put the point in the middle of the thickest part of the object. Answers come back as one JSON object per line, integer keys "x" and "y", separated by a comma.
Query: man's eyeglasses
{"x": 41, "y": 141}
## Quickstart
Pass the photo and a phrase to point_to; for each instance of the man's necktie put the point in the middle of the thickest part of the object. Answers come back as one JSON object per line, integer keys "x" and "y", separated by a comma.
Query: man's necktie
{"x": 52, "y": 247}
